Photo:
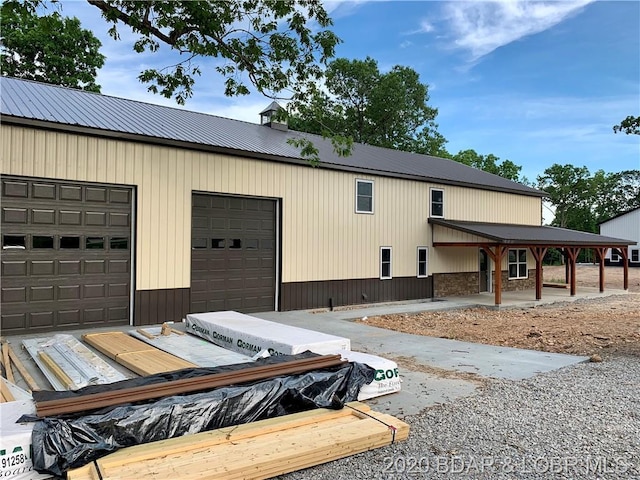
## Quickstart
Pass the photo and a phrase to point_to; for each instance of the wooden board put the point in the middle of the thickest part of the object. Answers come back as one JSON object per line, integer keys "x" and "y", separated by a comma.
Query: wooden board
{"x": 134, "y": 354}
{"x": 255, "y": 450}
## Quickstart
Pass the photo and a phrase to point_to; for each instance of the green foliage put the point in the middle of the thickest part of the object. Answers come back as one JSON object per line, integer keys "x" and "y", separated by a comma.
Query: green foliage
{"x": 489, "y": 163}
{"x": 383, "y": 109}
{"x": 582, "y": 200}
{"x": 630, "y": 126}
{"x": 49, "y": 48}
{"x": 273, "y": 45}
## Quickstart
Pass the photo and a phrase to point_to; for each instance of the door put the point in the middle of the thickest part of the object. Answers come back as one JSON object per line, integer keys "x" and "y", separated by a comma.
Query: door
{"x": 66, "y": 255}
{"x": 233, "y": 254}
{"x": 484, "y": 271}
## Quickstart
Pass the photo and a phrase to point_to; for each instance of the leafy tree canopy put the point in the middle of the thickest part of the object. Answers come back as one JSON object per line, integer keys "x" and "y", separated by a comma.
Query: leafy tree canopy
{"x": 383, "y": 109}
{"x": 50, "y": 48}
{"x": 630, "y": 126}
{"x": 583, "y": 200}
{"x": 489, "y": 163}
{"x": 272, "y": 45}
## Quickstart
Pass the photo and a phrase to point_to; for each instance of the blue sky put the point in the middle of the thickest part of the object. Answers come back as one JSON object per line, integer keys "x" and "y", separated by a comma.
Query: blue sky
{"x": 534, "y": 82}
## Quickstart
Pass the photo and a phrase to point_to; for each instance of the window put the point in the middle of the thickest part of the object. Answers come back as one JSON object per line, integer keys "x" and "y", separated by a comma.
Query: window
{"x": 437, "y": 202}
{"x": 119, "y": 243}
{"x": 518, "y": 263}
{"x": 422, "y": 262}
{"x": 94, "y": 243}
{"x": 70, "y": 242}
{"x": 42, "y": 241}
{"x": 635, "y": 255}
{"x": 615, "y": 257}
{"x": 17, "y": 242}
{"x": 385, "y": 263}
{"x": 364, "y": 196}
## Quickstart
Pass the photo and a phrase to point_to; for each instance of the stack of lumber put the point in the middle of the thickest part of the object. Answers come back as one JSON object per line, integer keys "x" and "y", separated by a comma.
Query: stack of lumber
{"x": 92, "y": 401}
{"x": 9, "y": 358}
{"x": 134, "y": 354}
{"x": 255, "y": 450}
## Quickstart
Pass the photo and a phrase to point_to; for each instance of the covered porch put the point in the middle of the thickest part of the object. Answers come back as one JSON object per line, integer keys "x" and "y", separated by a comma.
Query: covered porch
{"x": 497, "y": 239}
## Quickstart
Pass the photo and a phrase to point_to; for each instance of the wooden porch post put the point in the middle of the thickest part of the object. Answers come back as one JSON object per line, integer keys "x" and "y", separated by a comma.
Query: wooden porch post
{"x": 625, "y": 259}
{"x": 601, "y": 252}
{"x": 497, "y": 256}
{"x": 567, "y": 272}
{"x": 572, "y": 253}
{"x": 538, "y": 254}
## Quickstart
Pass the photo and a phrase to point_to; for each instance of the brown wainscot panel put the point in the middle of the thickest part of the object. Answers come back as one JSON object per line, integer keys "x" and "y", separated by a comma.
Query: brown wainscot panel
{"x": 336, "y": 293}
{"x": 156, "y": 306}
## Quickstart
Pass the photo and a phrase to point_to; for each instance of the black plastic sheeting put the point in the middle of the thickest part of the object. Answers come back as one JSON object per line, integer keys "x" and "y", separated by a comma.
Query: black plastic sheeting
{"x": 60, "y": 444}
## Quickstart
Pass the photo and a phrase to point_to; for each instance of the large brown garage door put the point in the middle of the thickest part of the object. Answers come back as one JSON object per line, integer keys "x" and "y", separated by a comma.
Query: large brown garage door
{"x": 233, "y": 254}
{"x": 66, "y": 255}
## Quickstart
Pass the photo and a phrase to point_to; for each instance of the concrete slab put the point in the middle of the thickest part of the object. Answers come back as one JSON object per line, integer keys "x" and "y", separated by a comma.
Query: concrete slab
{"x": 484, "y": 360}
{"x": 421, "y": 390}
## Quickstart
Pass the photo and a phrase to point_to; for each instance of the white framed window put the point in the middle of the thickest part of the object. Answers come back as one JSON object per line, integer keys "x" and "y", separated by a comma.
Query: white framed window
{"x": 422, "y": 262}
{"x": 615, "y": 257}
{"x": 635, "y": 255}
{"x": 518, "y": 263}
{"x": 364, "y": 196}
{"x": 385, "y": 263}
{"x": 436, "y": 202}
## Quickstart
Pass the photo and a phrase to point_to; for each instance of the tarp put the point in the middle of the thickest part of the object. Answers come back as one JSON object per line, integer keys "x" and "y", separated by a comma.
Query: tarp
{"x": 63, "y": 443}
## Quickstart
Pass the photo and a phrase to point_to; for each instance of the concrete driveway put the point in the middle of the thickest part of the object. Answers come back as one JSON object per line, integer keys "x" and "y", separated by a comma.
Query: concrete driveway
{"x": 436, "y": 370}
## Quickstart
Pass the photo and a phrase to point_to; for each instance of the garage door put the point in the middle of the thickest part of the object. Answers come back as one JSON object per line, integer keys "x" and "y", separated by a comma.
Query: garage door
{"x": 233, "y": 254}
{"x": 66, "y": 255}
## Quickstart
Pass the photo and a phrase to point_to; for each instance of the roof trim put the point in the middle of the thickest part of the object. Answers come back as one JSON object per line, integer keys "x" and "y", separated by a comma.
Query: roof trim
{"x": 619, "y": 215}
{"x": 550, "y": 236}
{"x": 135, "y": 137}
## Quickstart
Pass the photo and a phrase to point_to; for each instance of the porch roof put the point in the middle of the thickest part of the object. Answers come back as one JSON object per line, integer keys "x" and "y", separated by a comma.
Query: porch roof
{"x": 513, "y": 234}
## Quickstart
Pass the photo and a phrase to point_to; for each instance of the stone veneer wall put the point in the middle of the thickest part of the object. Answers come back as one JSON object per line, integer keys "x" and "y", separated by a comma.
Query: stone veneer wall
{"x": 468, "y": 283}
{"x": 518, "y": 285}
{"x": 452, "y": 284}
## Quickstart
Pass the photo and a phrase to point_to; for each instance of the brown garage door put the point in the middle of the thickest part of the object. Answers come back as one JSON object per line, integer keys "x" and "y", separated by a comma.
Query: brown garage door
{"x": 233, "y": 254}
{"x": 66, "y": 255}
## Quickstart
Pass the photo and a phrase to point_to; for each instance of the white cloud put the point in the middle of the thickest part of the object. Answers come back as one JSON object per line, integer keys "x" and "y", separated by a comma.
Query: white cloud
{"x": 482, "y": 27}
{"x": 426, "y": 27}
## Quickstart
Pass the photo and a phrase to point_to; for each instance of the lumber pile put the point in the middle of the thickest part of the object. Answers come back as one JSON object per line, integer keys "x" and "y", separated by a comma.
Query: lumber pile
{"x": 134, "y": 354}
{"x": 255, "y": 450}
{"x": 94, "y": 401}
{"x": 10, "y": 358}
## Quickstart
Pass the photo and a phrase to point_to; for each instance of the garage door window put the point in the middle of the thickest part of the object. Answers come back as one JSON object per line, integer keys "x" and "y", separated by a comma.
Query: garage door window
{"x": 72, "y": 243}
{"x": 94, "y": 243}
{"x": 42, "y": 241}
{"x": 13, "y": 241}
{"x": 119, "y": 243}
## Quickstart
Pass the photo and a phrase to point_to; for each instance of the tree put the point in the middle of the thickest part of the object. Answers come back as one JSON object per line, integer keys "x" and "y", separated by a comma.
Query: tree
{"x": 489, "y": 163}
{"x": 50, "y": 48}
{"x": 582, "y": 200}
{"x": 272, "y": 45}
{"x": 630, "y": 126}
{"x": 569, "y": 190}
{"x": 384, "y": 109}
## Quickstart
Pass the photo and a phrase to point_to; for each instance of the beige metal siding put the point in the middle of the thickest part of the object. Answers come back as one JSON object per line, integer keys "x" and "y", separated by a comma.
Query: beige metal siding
{"x": 485, "y": 206}
{"x": 322, "y": 236}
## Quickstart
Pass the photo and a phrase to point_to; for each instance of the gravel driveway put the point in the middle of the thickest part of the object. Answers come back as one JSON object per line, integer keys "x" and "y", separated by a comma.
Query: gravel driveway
{"x": 579, "y": 422}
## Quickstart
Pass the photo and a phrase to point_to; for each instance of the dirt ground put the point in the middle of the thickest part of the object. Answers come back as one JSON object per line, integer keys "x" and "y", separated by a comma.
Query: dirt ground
{"x": 584, "y": 327}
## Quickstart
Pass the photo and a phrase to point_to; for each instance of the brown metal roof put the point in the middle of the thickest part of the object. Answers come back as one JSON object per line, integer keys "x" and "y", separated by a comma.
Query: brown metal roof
{"x": 531, "y": 234}
{"x": 48, "y": 106}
